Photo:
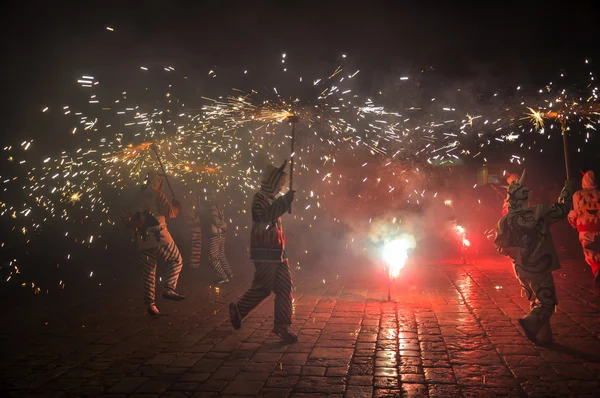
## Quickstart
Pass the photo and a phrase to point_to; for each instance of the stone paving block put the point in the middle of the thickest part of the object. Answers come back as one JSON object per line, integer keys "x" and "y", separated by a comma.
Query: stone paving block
{"x": 274, "y": 392}
{"x": 282, "y": 381}
{"x": 386, "y": 382}
{"x": 128, "y": 384}
{"x": 413, "y": 390}
{"x": 322, "y": 385}
{"x": 358, "y": 392}
{"x": 225, "y": 373}
{"x": 386, "y": 393}
{"x": 443, "y": 390}
{"x": 153, "y": 386}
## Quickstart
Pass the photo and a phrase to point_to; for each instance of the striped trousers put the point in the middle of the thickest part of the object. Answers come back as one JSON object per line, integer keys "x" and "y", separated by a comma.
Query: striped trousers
{"x": 216, "y": 256}
{"x": 196, "y": 247}
{"x": 270, "y": 277}
{"x": 169, "y": 254}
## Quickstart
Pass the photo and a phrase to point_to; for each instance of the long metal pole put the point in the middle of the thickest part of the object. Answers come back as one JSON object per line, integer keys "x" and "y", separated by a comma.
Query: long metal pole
{"x": 563, "y": 127}
{"x": 293, "y": 119}
{"x": 163, "y": 169}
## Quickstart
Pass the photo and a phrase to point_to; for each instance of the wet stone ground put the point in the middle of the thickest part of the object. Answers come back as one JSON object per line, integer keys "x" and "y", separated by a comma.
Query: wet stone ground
{"x": 451, "y": 332}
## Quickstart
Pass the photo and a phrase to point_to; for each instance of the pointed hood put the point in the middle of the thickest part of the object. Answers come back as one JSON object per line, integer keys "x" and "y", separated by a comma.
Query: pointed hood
{"x": 589, "y": 180}
{"x": 510, "y": 179}
{"x": 271, "y": 178}
{"x": 517, "y": 194}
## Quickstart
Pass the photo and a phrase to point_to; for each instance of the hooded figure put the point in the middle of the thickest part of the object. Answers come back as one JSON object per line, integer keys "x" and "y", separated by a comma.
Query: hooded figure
{"x": 195, "y": 225}
{"x": 511, "y": 178}
{"x": 147, "y": 213}
{"x": 523, "y": 234}
{"x": 267, "y": 251}
{"x": 585, "y": 217}
{"x": 216, "y": 229}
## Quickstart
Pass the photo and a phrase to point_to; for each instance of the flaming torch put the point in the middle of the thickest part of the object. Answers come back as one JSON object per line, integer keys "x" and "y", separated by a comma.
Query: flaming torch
{"x": 395, "y": 253}
{"x": 465, "y": 242}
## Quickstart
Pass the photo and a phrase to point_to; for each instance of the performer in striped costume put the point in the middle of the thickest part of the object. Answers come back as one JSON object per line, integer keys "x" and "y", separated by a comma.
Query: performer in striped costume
{"x": 523, "y": 234}
{"x": 147, "y": 215}
{"x": 216, "y": 240}
{"x": 267, "y": 250}
{"x": 196, "y": 233}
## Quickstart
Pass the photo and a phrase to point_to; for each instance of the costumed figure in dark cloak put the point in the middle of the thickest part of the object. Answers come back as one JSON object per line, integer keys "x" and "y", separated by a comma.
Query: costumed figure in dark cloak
{"x": 267, "y": 251}
{"x": 217, "y": 228}
{"x": 586, "y": 218}
{"x": 147, "y": 214}
{"x": 509, "y": 180}
{"x": 523, "y": 234}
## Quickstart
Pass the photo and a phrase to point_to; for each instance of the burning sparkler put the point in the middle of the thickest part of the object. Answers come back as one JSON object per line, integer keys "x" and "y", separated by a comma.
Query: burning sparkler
{"x": 465, "y": 243}
{"x": 395, "y": 253}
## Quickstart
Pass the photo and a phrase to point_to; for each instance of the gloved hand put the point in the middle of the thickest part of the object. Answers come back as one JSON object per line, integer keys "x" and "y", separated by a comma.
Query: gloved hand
{"x": 289, "y": 196}
{"x": 567, "y": 192}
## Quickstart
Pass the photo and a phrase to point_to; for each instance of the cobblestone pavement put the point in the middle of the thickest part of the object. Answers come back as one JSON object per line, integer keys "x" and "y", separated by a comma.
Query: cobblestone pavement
{"x": 451, "y": 332}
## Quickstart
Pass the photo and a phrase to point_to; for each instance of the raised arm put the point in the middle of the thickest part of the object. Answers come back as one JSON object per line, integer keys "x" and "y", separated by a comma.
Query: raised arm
{"x": 165, "y": 208}
{"x": 216, "y": 217}
{"x": 270, "y": 213}
{"x": 561, "y": 209}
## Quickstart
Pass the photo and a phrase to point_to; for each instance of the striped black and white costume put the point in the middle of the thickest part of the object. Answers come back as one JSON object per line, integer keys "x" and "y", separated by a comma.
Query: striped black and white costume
{"x": 154, "y": 242}
{"x": 267, "y": 243}
{"x": 216, "y": 241}
{"x": 195, "y": 224}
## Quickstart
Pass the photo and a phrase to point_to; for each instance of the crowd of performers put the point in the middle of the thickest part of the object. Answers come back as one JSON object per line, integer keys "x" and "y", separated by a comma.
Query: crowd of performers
{"x": 522, "y": 234}
{"x": 147, "y": 214}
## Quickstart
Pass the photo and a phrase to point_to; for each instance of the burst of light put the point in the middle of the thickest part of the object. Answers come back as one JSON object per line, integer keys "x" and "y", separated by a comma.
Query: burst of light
{"x": 395, "y": 253}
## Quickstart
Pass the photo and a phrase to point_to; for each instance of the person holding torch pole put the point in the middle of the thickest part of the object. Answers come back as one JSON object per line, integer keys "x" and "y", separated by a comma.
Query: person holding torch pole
{"x": 267, "y": 251}
{"x": 147, "y": 215}
{"x": 523, "y": 234}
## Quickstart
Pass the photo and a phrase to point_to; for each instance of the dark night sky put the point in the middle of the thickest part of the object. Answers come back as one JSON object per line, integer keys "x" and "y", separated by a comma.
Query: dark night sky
{"x": 49, "y": 45}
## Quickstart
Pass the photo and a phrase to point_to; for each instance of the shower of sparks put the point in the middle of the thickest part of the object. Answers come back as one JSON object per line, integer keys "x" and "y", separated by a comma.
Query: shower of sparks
{"x": 395, "y": 254}
{"x": 351, "y": 150}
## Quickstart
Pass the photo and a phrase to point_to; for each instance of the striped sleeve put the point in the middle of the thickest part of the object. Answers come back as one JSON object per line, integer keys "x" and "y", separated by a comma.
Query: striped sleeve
{"x": 164, "y": 207}
{"x": 266, "y": 212}
{"x": 217, "y": 218}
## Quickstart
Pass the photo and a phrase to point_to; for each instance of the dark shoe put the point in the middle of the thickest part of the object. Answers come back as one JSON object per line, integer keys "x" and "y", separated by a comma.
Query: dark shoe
{"x": 530, "y": 327}
{"x": 173, "y": 295}
{"x": 544, "y": 337}
{"x": 152, "y": 310}
{"x": 234, "y": 316}
{"x": 223, "y": 280}
{"x": 286, "y": 335}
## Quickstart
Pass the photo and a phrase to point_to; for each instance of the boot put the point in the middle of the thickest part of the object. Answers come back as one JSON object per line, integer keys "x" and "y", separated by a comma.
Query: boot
{"x": 531, "y": 327}
{"x": 173, "y": 295}
{"x": 544, "y": 337}
{"x": 152, "y": 310}
{"x": 285, "y": 334}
